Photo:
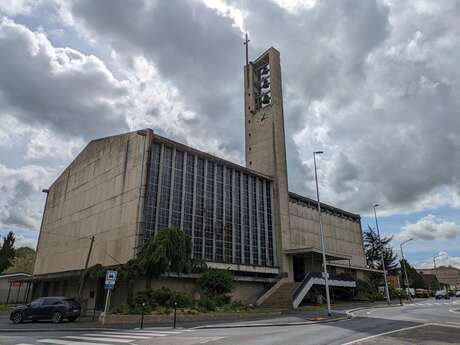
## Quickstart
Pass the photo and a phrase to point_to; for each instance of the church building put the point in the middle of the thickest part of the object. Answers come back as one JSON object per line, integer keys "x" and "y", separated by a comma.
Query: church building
{"x": 121, "y": 190}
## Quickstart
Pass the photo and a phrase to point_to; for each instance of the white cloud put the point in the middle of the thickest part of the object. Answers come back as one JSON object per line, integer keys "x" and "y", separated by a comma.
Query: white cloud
{"x": 58, "y": 88}
{"x": 443, "y": 259}
{"x": 20, "y": 194}
{"x": 430, "y": 228}
{"x": 18, "y": 7}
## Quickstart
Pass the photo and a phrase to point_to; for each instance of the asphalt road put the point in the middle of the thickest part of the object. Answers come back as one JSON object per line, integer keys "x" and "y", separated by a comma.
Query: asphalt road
{"x": 427, "y": 322}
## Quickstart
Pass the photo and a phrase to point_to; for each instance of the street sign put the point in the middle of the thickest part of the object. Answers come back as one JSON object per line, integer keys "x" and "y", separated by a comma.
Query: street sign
{"x": 110, "y": 279}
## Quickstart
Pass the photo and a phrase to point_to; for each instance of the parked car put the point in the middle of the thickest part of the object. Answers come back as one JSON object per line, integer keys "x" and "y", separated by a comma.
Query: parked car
{"x": 422, "y": 293}
{"x": 55, "y": 309}
{"x": 441, "y": 294}
{"x": 457, "y": 294}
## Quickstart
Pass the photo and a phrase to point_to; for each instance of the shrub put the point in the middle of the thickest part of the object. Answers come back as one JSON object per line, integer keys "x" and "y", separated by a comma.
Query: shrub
{"x": 216, "y": 282}
{"x": 206, "y": 304}
{"x": 164, "y": 297}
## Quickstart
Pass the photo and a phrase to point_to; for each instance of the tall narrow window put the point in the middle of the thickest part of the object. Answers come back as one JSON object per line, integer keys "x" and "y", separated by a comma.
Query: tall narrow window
{"x": 209, "y": 212}
{"x": 199, "y": 210}
{"x": 177, "y": 191}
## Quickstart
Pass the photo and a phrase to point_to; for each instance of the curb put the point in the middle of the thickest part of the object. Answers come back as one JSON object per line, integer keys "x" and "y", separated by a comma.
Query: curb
{"x": 258, "y": 325}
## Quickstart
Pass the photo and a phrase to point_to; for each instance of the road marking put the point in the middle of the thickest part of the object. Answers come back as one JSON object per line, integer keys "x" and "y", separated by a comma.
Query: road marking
{"x": 66, "y": 342}
{"x": 207, "y": 340}
{"x": 160, "y": 331}
{"x": 23, "y": 344}
{"x": 384, "y": 333}
{"x": 451, "y": 324}
{"x": 137, "y": 333}
{"x": 428, "y": 304}
{"x": 454, "y": 311}
{"x": 117, "y": 336}
{"x": 113, "y": 340}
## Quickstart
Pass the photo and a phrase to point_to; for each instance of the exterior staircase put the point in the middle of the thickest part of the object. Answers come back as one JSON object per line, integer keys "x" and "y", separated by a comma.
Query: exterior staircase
{"x": 288, "y": 294}
{"x": 279, "y": 295}
{"x": 317, "y": 278}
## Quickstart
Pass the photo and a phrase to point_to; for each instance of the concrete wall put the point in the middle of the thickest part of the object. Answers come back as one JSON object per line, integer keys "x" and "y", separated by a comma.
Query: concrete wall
{"x": 342, "y": 235}
{"x": 98, "y": 194}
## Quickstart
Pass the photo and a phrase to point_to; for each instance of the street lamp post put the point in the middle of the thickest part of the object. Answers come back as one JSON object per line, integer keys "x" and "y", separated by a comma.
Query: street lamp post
{"x": 405, "y": 267}
{"x": 387, "y": 292}
{"x": 323, "y": 247}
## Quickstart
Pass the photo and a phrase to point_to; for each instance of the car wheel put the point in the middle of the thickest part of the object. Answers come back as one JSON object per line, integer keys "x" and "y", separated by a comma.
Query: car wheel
{"x": 17, "y": 318}
{"x": 57, "y": 317}
{"x": 72, "y": 319}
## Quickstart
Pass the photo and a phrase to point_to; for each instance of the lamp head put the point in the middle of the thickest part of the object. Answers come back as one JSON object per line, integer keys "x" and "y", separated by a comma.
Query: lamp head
{"x": 318, "y": 152}
{"x": 376, "y": 205}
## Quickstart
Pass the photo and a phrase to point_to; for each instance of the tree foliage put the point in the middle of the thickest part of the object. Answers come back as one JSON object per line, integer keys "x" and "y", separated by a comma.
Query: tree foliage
{"x": 416, "y": 281}
{"x": 374, "y": 249}
{"x": 23, "y": 261}
{"x": 7, "y": 251}
{"x": 170, "y": 250}
{"x": 216, "y": 282}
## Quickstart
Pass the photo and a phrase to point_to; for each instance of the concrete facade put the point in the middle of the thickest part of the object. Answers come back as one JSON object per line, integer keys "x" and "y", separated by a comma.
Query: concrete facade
{"x": 100, "y": 194}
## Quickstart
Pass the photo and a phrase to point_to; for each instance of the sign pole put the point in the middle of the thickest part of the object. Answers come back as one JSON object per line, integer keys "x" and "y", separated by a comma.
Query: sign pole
{"x": 110, "y": 280}
{"x": 106, "y": 308}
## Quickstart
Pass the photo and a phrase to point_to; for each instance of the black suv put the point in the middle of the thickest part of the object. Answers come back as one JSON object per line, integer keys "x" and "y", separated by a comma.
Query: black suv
{"x": 55, "y": 309}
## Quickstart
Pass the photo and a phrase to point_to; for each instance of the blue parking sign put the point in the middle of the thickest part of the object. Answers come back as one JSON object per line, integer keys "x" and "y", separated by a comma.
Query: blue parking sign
{"x": 110, "y": 279}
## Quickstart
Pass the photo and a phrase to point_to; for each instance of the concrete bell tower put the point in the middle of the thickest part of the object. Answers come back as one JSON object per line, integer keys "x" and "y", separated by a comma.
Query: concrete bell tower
{"x": 265, "y": 138}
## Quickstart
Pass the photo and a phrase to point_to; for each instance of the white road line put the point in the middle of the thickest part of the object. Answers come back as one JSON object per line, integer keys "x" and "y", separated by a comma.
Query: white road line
{"x": 67, "y": 342}
{"x": 117, "y": 336}
{"x": 448, "y": 324}
{"x": 454, "y": 311}
{"x": 207, "y": 340}
{"x": 428, "y": 304}
{"x": 157, "y": 331}
{"x": 384, "y": 333}
{"x": 23, "y": 344}
{"x": 136, "y": 333}
{"x": 113, "y": 340}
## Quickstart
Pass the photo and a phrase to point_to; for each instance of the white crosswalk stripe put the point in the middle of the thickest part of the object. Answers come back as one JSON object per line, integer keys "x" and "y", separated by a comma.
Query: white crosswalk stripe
{"x": 117, "y": 336}
{"x": 67, "y": 342}
{"x": 138, "y": 333}
{"x": 113, "y": 340}
{"x": 111, "y": 337}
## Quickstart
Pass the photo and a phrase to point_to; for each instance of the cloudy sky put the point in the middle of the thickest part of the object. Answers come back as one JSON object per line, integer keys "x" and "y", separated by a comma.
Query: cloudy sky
{"x": 375, "y": 84}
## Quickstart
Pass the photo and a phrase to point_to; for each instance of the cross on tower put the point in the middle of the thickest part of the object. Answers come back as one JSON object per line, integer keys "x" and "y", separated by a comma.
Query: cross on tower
{"x": 246, "y": 43}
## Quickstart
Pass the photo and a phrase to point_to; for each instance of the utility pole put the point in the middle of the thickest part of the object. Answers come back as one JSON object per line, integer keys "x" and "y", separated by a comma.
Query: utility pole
{"x": 387, "y": 291}
{"x": 83, "y": 273}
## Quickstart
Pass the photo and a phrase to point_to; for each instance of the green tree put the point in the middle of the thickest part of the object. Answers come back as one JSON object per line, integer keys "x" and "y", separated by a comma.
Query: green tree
{"x": 216, "y": 282}
{"x": 23, "y": 260}
{"x": 170, "y": 250}
{"x": 7, "y": 251}
{"x": 415, "y": 279}
{"x": 374, "y": 248}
